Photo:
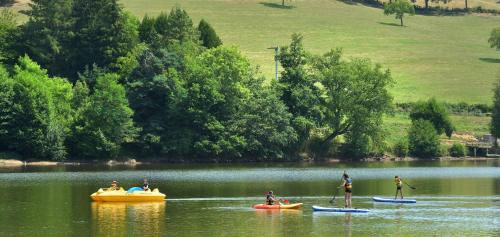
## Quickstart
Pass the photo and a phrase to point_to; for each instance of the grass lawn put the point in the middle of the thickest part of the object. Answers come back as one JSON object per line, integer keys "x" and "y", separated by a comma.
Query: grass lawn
{"x": 447, "y": 57}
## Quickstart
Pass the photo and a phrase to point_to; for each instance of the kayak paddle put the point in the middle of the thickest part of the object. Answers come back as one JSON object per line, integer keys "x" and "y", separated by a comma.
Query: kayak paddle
{"x": 409, "y": 185}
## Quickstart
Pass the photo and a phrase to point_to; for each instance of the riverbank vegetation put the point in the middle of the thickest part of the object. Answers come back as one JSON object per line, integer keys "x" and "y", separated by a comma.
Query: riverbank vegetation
{"x": 105, "y": 84}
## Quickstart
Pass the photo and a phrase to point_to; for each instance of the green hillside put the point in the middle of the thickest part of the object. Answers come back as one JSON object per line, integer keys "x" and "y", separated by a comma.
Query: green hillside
{"x": 443, "y": 56}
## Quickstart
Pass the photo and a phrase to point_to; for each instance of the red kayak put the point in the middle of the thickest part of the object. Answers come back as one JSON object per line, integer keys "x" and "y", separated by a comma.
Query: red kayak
{"x": 278, "y": 206}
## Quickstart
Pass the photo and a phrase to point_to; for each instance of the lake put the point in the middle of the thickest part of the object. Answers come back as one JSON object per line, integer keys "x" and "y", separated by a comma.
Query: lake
{"x": 454, "y": 198}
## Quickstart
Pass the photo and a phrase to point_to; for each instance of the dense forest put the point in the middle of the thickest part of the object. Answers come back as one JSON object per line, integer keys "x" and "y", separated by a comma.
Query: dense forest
{"x": 84, "y": 79}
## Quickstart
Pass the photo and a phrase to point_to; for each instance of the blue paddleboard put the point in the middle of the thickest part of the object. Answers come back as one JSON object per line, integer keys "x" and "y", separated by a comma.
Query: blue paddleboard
{"x": 329, "y": 209}
{"x": 377, "y": 199}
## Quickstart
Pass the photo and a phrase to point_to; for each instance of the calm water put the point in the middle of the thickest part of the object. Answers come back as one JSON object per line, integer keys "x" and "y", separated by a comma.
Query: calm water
{"x": 454, "y": 199}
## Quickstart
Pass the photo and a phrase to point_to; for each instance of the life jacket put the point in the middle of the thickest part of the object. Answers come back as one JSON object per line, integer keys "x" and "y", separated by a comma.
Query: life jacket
{"x": 398, "y": 181}
{"x": 348, "y": 183}
{"x": 269, "y": 200}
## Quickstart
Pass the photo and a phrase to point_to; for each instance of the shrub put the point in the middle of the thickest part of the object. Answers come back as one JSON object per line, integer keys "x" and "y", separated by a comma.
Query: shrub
{"x": 423, "y": 139}
{"x": 458, "y": 150}
{"x": 401, "y": 148}
{"x": 435, "y": 112}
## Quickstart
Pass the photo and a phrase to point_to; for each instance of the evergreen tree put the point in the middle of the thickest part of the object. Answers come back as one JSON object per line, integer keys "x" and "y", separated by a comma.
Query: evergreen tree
{"x": 47, "y": 33}
{"x": 147, "y": 30}
{"x": 102, "y": 33}
{"x": 208, "y": 36}
{"x": 9, "y": 36}
{"x": 6, "y": 109}
{"x": 154, "y": 90}
{"x": 298, "y": 90}
{"x": 423, "y": 139}
{"x": 179, "y": 27}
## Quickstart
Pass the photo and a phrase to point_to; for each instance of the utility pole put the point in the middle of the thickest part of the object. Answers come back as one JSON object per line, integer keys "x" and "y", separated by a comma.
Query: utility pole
{"x": 276, "y": 51}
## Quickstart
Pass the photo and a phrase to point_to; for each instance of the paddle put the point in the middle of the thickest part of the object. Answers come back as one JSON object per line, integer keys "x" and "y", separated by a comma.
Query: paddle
{"x": 337, "y": 190}
{"x": 409, "y": 185}
{"x": 335, "y": 195}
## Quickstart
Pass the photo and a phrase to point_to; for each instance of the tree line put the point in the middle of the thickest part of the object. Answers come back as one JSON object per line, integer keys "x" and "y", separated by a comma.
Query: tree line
{"x": 84, "y": 79}
{"x": 87, "y": 80}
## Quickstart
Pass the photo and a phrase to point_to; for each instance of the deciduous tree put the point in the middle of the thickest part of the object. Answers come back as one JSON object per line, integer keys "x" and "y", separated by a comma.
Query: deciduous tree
{"x": 495, "y": 114}
{"x": 434, "y": 112}
{"x": 399, "y": 8}
{"x": 354, "y": 96}
{"x": 494, "y": 39}
{"x": 105, "y": 123}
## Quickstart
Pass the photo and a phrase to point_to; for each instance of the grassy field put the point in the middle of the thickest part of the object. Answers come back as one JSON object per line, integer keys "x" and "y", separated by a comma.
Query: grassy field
{"x": 443, "y": 56}
{"x": 396, "y": 126}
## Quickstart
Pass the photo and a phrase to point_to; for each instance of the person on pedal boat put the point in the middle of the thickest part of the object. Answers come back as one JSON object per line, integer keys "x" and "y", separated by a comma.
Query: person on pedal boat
{"x": 347, "y": 184}
{"x": 399, "y": 186}
{"x": 114, "y": 186}
{"x": 145, "y": 186}
{"x": 270, "y": 198}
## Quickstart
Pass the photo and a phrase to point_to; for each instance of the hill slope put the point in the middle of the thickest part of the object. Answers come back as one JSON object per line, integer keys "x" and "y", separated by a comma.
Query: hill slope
{"x": 443, "y": 56}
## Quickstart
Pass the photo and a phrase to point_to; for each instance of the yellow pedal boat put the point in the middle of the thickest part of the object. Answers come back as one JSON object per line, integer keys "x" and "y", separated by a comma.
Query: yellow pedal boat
{"x": 105, "y": 195}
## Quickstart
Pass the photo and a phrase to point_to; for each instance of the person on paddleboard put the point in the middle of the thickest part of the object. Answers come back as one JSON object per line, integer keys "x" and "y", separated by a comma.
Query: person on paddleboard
{"x": 347, "y": 184}
{"x": 270, "y": 198}
{"x": 399, "y": 186}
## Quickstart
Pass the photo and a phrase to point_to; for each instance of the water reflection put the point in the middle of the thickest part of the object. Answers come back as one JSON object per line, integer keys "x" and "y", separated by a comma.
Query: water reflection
{"x": 348, "y": 224}
{"x": 126, "y": 219}
{"x": 339, "y": 221}
{"x": 277, "y": 222}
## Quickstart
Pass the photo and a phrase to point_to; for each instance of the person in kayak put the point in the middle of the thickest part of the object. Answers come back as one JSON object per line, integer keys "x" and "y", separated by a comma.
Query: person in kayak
{"x": 399, "y": 186}
{"x": 114, "y": 186}
{"x": 347, "y": 184}
{"x": 270, "y": 198}
{"x": 145, "y": 186}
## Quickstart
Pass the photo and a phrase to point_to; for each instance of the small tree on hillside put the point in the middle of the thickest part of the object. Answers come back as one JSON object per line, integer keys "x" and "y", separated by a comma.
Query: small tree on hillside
{"x": 494, "y": 39}
{"x": 423, "y": 139}
{"x": 399, "y": 8}
{"x": 208, "y": 37}
{"x": 495, "y": 115}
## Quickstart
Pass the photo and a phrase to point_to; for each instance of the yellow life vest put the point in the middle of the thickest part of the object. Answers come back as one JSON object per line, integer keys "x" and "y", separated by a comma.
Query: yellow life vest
{"x": 348, "y": 183}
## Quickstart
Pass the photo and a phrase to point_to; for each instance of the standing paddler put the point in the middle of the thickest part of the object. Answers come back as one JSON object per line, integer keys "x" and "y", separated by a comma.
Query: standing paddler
{"x": 399, "y": 186}
{"x": 347, "y": 184}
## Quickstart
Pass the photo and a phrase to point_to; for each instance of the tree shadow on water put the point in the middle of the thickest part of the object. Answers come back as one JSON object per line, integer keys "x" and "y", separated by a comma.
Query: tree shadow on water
{"x": 490, "y": 60}
{"x": 275, "y": 5}
{"x": 389, "y": 24}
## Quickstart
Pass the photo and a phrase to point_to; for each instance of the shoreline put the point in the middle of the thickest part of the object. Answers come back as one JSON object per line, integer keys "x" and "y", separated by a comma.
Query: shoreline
{"x": 13, "y": 163}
